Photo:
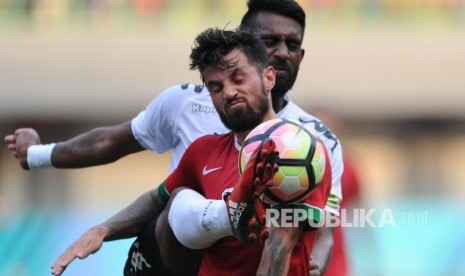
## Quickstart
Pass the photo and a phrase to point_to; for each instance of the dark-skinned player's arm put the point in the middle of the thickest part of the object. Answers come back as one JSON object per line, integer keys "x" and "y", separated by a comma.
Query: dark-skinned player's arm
{"x": 126, "y": 223}
{"x": 322, "y": 250}
{"x": 321, "y": 253}
{"x": 99, "y": 146}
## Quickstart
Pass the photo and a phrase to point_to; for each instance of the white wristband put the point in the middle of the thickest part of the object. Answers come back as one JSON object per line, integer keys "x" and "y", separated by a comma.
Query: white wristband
{"x": 40, "y": 156}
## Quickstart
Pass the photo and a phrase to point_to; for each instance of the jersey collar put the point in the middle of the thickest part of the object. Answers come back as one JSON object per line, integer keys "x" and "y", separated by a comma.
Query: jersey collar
{"x": 236, "y": 143}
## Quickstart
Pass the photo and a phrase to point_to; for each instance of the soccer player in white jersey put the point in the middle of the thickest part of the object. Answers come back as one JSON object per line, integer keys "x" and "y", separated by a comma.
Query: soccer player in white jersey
{"x": 281, "y": 25}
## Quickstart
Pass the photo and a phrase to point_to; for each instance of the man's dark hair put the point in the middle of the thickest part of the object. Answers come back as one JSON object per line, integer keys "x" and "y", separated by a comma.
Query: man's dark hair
{"x": 287, "y": 8}
{"x": 212, "y": 45}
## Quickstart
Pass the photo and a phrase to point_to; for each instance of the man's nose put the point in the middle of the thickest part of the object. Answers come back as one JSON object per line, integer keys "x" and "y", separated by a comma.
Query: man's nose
{"x": 281, "y": 51}
{"x": 229, "y": 92}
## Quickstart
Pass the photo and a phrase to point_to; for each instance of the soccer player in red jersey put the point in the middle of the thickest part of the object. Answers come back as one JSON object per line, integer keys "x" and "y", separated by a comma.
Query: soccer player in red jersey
{"x": 235, "y": 69}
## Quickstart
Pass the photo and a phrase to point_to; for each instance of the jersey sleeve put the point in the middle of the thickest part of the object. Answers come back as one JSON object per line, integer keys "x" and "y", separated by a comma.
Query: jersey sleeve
{"x": 337, "y": 167}
{"x": 186, "y": 173}
{"x": 154, "y": 127}
{"x": 334, "y": 150}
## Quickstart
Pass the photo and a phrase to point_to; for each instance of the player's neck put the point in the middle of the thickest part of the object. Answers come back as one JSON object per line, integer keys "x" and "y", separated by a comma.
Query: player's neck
{"x": 278, "y": 104}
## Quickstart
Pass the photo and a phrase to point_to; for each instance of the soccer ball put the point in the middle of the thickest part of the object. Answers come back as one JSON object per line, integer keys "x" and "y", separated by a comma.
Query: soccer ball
{"x": 301, "y": 161}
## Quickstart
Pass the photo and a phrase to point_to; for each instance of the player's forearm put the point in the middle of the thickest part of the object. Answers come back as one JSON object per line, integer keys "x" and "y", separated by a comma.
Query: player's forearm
{"x": 85, "y": 150}
{"x": 96, "y": 147}
{"x": 321, "y": 253}
{"x": 130, "y": 221}
{"x": 275, "y": 259}
{"x": 278, "y": 248}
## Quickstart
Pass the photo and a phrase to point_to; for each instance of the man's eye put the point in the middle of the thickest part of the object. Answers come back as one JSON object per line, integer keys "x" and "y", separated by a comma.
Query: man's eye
{"x": 269, "y": 42}
{"x": 214, "y": 89}
{"x": 238, "y": 81}
{"x": 293, "y": 46}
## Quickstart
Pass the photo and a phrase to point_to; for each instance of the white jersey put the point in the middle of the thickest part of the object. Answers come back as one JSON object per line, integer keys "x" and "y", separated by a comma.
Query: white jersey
{"x": 178, "y": 116}
{"x": 182, "y": 113}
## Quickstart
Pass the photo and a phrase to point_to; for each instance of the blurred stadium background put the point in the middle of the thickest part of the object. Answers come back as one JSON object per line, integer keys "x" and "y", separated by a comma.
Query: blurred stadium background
{"x": 393, "y": 71}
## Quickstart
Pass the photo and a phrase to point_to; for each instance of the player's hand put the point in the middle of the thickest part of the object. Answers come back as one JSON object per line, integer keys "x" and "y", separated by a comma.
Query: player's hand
{"x": 246, "y": 210}
{"x": 314, "y": 269}
{"x": 19, "y": 142}
{"x": 87, "y": 244}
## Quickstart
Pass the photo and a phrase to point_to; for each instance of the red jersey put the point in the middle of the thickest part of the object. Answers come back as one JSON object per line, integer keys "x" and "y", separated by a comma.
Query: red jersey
{"x": 210, "y": 167}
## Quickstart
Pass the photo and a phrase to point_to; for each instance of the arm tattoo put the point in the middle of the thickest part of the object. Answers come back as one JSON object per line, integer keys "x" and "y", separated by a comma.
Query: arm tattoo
{"x": 278, "y": 256}
{"x": 129, "y": 221}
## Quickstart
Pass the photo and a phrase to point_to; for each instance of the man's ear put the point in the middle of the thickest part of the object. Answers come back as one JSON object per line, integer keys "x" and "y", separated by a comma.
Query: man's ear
{"x": 269, "y": 78}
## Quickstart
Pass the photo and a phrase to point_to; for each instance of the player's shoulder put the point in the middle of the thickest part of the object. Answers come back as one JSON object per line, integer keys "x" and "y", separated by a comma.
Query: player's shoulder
{"x": 316, "y": 126}
{"x": 179, "y": 95}
{"x": 296, "y": 113}
{"x": 209, "y": 141}
{"x": 186, "y": 88}
{"x": 214, "y": 138}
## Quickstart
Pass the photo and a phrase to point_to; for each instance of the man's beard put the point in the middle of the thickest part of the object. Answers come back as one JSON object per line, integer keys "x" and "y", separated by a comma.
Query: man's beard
{"x": 284, "y": 80}
{"x": 242, "y": 119}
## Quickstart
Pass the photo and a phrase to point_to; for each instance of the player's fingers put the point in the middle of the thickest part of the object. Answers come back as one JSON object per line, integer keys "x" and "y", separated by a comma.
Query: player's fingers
{"x": 274, "y": 164}
{"x": 271, "y": 166}
{"x": 269, "y": 173}
{"x": 11, "y": 147}
{"x": 62, "y": 263}
{"x": 9, "y": 138}
{"x": 67, "y": 257}
{"x": 253, "y": 224}
{"x": 252, "y": 238}
{"x": 314, "y": 269}
{"x": 12, "y": 150}
{"x": 56, "y": 271}
{"x": 259, "y": 170}
{"x": 314, "y": 272}
{"x": 264, "y": 234}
